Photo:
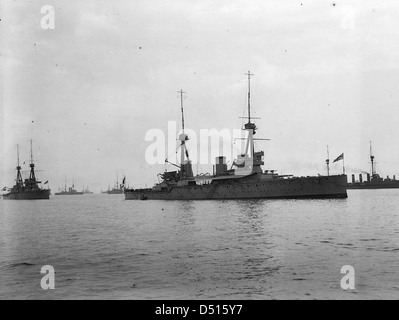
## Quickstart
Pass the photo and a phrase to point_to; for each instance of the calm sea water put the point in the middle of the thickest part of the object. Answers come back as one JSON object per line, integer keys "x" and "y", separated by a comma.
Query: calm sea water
{"x": 103, "y": 247}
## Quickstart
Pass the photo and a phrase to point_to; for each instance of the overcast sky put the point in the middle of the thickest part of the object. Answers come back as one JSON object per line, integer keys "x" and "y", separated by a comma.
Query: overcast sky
{"x": 326, "y": 73}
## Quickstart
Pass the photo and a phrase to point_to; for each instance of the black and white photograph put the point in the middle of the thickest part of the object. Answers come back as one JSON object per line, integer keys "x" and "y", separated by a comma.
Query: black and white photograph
{"x": 199, "y": 154}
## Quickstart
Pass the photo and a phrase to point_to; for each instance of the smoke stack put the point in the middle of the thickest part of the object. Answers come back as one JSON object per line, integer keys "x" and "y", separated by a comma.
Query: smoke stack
{"x": 221, "y": 165}
{"x": 360, "y": 178}
{"x": 368, "y": 177}
{"x": 353, "y": 178}
{"x": 394, "y": 177}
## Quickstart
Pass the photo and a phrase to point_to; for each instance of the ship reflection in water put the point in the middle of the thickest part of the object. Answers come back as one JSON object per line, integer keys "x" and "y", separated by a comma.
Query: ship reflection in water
{"x": 244, "y": 180}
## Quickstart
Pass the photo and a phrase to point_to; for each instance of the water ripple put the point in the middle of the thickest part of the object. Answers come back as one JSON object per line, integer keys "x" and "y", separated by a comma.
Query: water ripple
{"x": 103, "y": 247}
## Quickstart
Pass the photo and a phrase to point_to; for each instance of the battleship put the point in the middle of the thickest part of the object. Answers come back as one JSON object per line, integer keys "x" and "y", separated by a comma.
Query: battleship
{"x": 28, "y": 189}
{"x": 373, "y": 179}
{"x": 244, "y": 180}
{"x": 114, "y": 190}
{"x": 70, "y": 191}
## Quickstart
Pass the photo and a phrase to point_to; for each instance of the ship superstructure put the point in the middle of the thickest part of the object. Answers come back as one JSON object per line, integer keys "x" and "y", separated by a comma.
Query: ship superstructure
{"x": 117, "y": 188}
{"x": 70, "y": 191}
{"x": 244, "y": 180}
{"x": 373, "y": 179}
{"x": 86, "y": 191}
{"x": 28, "y": 189}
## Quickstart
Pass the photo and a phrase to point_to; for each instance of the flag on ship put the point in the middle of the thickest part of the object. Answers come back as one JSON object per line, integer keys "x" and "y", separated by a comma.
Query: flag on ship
{"x": 340, "y": 157}
{"x": 123, "y": 183}
{"x": 46, "y": 182}
{"x": 4, "y": 189}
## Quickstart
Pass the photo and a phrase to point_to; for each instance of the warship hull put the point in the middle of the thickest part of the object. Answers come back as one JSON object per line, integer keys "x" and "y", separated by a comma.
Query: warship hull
{"x": 28, "y": 195}
{"x": 370, "y": 185}
{"x": 244, "y": 180}
{"x": 66, "y": 193}
{"x": 115, "y": 191}
{"x": 320, "y": 187}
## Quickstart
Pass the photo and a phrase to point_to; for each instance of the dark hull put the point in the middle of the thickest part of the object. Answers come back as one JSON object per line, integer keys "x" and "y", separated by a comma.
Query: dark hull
{"x": 67, "y": 193}
{"x": 370, "y": 185}
{"x": 115, "y": 192}
{"x": 322, "y": 187}
{"x": 28, "y": 195}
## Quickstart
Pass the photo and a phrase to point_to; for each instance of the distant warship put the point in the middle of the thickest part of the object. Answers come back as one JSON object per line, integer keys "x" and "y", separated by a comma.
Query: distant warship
{"x": 374, "y": 181}
{"x": 68, "y": 191}
{"x": 245, "y": 180}
{"x": 114, "y": 190}
{"x": 117, "y": 189}
{"x": 28, "y": 190}
{"x": 86, "y": 191}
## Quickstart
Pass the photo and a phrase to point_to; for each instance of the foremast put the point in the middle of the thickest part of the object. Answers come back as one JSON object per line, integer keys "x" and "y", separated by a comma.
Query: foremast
{"x": 185, "y": 163}
{"x": 31, "y": 183}
{"x": 250, "y": 161}
{"x": 18, "y": 181}
{"x": 328, "y": 162}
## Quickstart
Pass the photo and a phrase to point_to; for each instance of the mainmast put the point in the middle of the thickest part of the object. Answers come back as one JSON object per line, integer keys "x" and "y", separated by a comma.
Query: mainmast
{"x": 250, "y": 161}
{"x": 372, "y": 161}
{"x": 19, "y": 181}
{"x": 185, "y": 168}
{"x": 182, "y": 111}
{"x": 32, "y": 176}
{"x": 251, "y": 127}
{"x": 328, "y": 162}
{"x": 249, "y": 74}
